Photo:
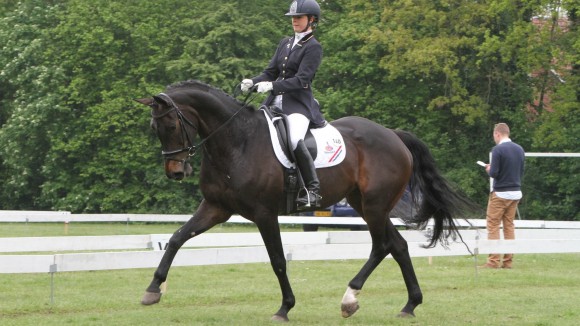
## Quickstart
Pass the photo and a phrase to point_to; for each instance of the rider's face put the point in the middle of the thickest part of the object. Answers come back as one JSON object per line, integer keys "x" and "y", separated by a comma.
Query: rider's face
{"x": 299, "y": 23}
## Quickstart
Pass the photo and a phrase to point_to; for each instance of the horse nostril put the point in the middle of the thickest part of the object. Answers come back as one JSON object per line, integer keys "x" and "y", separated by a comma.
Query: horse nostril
{"x": 178, "y": 176}
{"x": 175, "y": 175}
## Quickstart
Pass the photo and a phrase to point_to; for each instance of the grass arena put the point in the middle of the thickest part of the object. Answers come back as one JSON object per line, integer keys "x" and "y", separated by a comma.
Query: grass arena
{"x": 542, "y": 289}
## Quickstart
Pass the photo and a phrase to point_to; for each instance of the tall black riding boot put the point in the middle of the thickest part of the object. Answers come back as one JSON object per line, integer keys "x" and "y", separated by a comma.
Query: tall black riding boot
{"x": 306, "y": 166}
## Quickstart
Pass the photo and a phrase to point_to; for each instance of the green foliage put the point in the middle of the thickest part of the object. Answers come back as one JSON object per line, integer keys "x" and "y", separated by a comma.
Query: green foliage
{"x": 447, "y": 70}
{"x": 224, "y": 47}
{"x": 112, "y": 160}
{"x": 31, "y": 111}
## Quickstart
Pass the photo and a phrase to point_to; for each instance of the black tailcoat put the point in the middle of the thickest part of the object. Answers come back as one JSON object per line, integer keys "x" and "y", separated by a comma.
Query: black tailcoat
{"x": 291, "y": 71}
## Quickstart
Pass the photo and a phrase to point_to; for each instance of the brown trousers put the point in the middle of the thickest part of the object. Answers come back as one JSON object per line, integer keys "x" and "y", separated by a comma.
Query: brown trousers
{"x": 500, "y": 211}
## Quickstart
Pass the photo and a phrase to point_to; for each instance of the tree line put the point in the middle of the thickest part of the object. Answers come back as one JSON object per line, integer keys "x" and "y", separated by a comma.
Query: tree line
{"x": 447, "y": 70}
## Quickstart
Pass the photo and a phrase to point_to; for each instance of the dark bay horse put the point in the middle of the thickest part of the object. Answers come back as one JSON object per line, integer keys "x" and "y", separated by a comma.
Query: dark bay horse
{"x": 241, "y": 175}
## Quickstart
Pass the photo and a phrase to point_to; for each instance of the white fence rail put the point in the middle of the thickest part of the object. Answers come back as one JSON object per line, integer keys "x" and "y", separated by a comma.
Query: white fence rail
{"x": 67, "y": 217}
{"x": 237, "y": 248}
{"x": 64, "y": 254}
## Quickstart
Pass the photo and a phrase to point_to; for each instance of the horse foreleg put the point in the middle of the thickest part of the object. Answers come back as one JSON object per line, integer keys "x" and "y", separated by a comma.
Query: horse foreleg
{"x": 270, "y": 232}
{"x": 153, "y": 293}
{"x": 204, "y": 219}
{"x": 401, "y": 255}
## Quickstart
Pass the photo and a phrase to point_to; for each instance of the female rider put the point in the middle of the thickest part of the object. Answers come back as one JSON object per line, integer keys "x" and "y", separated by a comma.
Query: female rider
{"x": 288, "y": 78}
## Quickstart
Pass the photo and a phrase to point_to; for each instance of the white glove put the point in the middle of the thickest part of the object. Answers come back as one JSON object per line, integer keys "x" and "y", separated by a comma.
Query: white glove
{"x": 246, "y": 84}
{"x": 264, "y": 87}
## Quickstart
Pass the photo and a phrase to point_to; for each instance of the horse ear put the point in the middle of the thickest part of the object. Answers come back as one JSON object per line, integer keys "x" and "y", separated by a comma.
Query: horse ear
{"x": 149, "y": 101}
{"x": 160, "y": 100}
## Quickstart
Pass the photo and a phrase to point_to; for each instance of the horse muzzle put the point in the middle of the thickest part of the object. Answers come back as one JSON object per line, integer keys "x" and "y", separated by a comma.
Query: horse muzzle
{"x": 177, "y": 169}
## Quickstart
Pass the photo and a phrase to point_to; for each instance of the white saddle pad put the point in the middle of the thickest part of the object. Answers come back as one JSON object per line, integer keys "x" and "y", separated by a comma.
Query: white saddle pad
{"x": 329, "y": 143}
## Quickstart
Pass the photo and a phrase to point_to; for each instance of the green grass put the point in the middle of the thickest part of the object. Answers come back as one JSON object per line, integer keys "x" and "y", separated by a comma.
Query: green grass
{"x": 88, "y": 229}
{"x": 117, "y": 228}
{"x": 540, "y": 290}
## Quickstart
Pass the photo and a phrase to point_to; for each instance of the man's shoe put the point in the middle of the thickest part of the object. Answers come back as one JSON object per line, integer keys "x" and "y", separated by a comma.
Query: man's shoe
{"x": 488, "y": 265}
{"x": 506, "y": 266}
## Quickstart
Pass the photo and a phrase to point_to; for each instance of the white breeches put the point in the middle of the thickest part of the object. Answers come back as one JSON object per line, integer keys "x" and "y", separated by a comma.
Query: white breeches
{"x": 278, "y": 101}
{"x": 298, "y": 125}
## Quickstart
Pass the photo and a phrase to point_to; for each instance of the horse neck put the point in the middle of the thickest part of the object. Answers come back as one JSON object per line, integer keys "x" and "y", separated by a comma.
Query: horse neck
{"x": 224, "y": 122}
{"x": 235, "y": 145}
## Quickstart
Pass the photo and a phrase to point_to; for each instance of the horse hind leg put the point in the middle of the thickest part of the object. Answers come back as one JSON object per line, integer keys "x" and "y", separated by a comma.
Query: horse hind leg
{"x": 391, "y": 242}
{"x": 349, "y": 304}
{"x": 379, "y": 251}
{"x": 400, "y": 252}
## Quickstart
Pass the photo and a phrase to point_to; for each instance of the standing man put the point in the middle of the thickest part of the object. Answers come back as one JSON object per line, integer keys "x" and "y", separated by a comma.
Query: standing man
{"x": 507, "y": 169}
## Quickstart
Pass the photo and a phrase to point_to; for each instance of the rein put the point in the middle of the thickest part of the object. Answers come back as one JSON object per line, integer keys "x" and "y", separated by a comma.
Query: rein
{"x": 192, "y": 150}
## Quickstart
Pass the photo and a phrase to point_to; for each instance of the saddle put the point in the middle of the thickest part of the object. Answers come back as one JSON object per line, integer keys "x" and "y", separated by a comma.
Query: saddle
{"x": 280, "y": 121}
{"x": 324, "y": 143}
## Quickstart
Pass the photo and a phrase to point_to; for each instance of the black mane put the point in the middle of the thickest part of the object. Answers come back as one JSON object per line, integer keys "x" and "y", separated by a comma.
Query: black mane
{"x": 198, "y": 85}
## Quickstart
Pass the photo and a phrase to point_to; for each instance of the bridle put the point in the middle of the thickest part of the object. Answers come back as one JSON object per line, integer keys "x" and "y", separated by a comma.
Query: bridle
{"x": 183, "y": 121}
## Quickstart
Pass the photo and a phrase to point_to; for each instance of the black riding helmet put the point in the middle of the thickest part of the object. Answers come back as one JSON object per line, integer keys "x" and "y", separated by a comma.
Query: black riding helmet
{"x": 305, "y": 7}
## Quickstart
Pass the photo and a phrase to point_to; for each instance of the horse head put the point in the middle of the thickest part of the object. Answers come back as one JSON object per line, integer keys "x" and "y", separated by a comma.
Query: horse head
{"x": 203, "y": 111}
{"x": 176, "y": 129}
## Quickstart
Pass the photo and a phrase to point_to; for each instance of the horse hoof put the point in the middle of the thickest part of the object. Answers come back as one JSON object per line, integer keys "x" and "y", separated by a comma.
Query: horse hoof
{"x": 403, "y": 314}
{"x": 279, "y": 319}
{"x": 150, "y": 298}
{"x": 349, "y": 309}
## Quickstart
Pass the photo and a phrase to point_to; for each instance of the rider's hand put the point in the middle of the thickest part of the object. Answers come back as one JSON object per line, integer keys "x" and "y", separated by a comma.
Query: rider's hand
{"x": 264, "y": 87}
{"x": 246, "y": 84}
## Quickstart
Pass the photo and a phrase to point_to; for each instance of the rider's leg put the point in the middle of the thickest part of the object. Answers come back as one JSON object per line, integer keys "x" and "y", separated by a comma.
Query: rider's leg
{"x": 298, "y": 125}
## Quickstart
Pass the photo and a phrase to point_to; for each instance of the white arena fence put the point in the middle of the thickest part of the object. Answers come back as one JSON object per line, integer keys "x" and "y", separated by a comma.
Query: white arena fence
{"x": 71, "y": 253}
{"x": 67, "y": 217}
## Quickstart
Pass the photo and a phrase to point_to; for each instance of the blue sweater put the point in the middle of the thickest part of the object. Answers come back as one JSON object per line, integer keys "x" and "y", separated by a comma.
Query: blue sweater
{"x": 507, "y": 166}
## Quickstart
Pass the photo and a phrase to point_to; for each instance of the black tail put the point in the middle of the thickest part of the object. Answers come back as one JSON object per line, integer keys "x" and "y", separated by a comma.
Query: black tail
{"x": 438, "y": 200}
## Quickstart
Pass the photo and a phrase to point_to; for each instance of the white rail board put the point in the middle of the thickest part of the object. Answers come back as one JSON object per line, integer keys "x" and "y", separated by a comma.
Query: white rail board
{"x": 114, "y": 242}
{"x": 241, "y": 239}
{"x": 255, "y": 254}
{"x": 150, "y": 259}
{"x": 32, "y": 216}
{"x": 159, "y": 241}
{"x": 67, "y": 217}
{"x": 17, "y": 264}
{"x": 313, "y": 246}
{"x": 529, "y": 246}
